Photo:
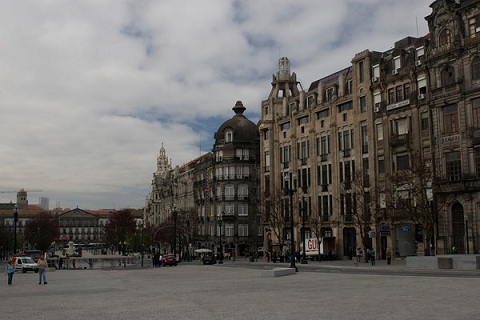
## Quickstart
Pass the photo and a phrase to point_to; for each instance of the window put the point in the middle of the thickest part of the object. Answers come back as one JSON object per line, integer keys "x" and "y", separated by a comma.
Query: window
{"x": 329, "y": 94}
{"x": 424, "y": 121}
{"x": 348, "y": 87}
{"x": 363, "y": 104}
{"x": 228, "y": 136}
{"x": 361, "y": 71}
{"x": 473, "y": 25}
{"x": 303, "y": 150}
{"x": 379, "y": 131}
{"x": 266, "y": 134}
{"x": 242, "y": 154}
{"x": 242, "y": 190}
{"x": 364, "y": 139}
{"x": 285, "y": 126}
{"x": 243, "y": 230}
{"x": 381, "y": 165}
{"x": 219, "y": 156}
{"x": 391, "y": 95}
{"x": 450, "y": 122}
{"x": 448, "y": 76}
{"x": 476, "y": 68}
{"x": 403, "y": 162}
{"x": 476, "y": 112}
{"x": 406, "y": 90}
{"x": 242, "y": 210}
{"x": 444, "y": 38}
{"x": 453, "y": 166}
{"x": 477, "y": 161}
{"x": 398, "y": 93}
{"x": 266, "y": 110}
{"x": 376, "y": 72}
{"x": 267, "y": 161}
{"x": 303, "y": 120}
{"x": 400, "y": 126}
{"x": 229, "y": 230}
{"x": 229, "y": 191}
{"x": 310, "y": 101}
{"x": 420, "y": 53}
{"x": 345, "y": 106}
{"x": 396, "y": 63}
{"x": 323, "y": 114}
{"x": 377, "y": 99}
{"x": 229, "y": 209}
{"x": 422, "y": 85}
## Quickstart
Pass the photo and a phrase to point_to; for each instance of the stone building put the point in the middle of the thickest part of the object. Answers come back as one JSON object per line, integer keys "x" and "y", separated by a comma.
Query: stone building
{"x": 452, "y": 68}
{"x": 235, "y": 185}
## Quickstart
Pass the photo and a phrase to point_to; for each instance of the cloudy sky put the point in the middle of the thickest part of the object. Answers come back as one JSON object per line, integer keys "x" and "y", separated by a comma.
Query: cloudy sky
{"x": 90, "y": 90}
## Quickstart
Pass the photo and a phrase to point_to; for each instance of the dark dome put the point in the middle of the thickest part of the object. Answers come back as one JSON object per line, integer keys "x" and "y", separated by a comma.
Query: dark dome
{"x": 243, "y": 129}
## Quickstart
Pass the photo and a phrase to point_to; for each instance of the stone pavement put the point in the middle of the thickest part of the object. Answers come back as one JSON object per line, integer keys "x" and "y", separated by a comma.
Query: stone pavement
{"x": 235, "y": 290}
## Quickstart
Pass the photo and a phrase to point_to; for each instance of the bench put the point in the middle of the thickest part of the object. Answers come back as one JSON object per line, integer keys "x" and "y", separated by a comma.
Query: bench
{"x": 277, "y": 272}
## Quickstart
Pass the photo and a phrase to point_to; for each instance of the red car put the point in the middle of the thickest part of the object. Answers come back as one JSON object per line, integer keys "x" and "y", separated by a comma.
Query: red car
{"x": 170, "y": 261}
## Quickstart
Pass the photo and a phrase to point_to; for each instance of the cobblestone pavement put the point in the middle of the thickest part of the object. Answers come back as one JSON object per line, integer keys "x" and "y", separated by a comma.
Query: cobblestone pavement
{"x": 236, "y": 290}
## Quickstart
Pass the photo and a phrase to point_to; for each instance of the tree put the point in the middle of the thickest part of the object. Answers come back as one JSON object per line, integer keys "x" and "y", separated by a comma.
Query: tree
{"x": 121, "y": 224}
{"x": 358, "y": 203}
{"x": 276, "y": 212}
{"x": 410, "y": 196}
{"x": 315, "y": 224}
{"x": 42, "y": 230}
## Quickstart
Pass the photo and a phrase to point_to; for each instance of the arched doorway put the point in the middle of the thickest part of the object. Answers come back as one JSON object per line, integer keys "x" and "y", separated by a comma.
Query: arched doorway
{"x": 458, "y": 228}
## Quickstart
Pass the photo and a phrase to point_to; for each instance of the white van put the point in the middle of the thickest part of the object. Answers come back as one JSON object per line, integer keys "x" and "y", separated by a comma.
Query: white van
{"x": 25, "y": 264}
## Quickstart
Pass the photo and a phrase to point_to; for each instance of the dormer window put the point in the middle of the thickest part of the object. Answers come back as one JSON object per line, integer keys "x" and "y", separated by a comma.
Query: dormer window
{"x": 229, "y": 136}
{"x": 396, "y": 64}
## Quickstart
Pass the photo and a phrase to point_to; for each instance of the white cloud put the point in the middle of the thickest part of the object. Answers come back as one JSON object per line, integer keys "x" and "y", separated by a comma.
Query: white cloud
{"x": 89, "y": 90}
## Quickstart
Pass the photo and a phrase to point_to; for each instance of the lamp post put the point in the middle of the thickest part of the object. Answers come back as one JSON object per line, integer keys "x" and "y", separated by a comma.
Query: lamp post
{"x": 141, "y": 234}
{"x": 289, "y": 187}
{"x": 304, "y": 257}
{"x": 466, "y": 229}
{"x": 220, "y": 223}
{"x": 15, "y": 220}
{"x": 175, "y": 232}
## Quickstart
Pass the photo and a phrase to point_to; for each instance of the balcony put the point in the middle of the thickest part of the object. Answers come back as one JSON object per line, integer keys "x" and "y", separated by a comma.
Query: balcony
{"x": 400, "y": 140}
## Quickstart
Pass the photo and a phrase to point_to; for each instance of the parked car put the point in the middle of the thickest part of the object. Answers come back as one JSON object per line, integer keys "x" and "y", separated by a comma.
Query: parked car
{"x": 25, "y": 264}
{"x": 170, "y": 261}
{"x": 209, "y": 260}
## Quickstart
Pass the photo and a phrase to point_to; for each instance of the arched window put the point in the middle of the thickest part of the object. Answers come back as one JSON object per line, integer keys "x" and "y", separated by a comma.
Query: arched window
{"x": 445, "y": 37}
{"x": 476, "y": 68}
{"x": 229, "y": 136}
{"x": 448, "y": 76}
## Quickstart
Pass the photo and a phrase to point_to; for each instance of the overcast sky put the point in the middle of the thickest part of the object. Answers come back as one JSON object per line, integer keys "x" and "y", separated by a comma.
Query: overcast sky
{"x": 89, "y": 89}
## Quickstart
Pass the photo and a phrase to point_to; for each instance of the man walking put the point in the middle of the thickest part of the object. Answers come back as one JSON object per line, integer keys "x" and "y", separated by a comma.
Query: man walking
{"x": 42, "y": 269}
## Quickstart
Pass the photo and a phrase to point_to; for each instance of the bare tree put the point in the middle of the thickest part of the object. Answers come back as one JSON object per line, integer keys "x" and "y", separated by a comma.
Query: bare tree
{"x": 315, "y": 223}
{"x": 274, "y": 210}
{"x": 410, "y": 197}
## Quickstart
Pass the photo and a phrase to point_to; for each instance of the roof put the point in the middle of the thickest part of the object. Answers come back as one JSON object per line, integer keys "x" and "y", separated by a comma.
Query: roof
{"x": 243, "y": 129}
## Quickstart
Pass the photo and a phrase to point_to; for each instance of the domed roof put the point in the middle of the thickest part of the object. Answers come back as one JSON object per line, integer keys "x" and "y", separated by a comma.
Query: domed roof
{"x": 242, "y": 128}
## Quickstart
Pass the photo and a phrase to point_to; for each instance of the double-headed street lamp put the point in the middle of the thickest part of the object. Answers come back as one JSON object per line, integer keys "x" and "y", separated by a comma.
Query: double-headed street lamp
{"x": 220, "y": 223}
{"x": 15, "y": 220}
{"x": 289, "y": 188}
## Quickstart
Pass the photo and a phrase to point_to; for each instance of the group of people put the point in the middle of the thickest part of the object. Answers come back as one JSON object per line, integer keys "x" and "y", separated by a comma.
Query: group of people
{"x": 42, "y": 269}
{"x": 370, "y": 255}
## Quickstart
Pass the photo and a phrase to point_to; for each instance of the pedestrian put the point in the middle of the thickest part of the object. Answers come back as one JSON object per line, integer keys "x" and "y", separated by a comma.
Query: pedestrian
{"x": 42, "y": 269}
{"x": 372, "y": 256}
{"x": 389, "y": 256}
{"x": 358, "y": 255}
{"x": 10, "y": 270}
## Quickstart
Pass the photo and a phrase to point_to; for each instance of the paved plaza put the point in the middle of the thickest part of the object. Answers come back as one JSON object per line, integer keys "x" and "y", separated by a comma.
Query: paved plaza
{"x": 237, "y": 290}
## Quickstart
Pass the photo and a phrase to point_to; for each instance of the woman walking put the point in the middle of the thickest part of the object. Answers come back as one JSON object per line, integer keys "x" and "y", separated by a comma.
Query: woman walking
{"x": 10, "y": 270}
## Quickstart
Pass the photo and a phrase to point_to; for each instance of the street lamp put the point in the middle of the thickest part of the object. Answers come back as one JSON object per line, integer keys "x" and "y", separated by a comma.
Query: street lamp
{"x": 304, "y": 257}
{"x": 289, "y": 188}
{"x": 220, "y": 223}
{"x": 175, "y": 232}
{"x": 466, "y": 229}
{"x": 15, "y": 220}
